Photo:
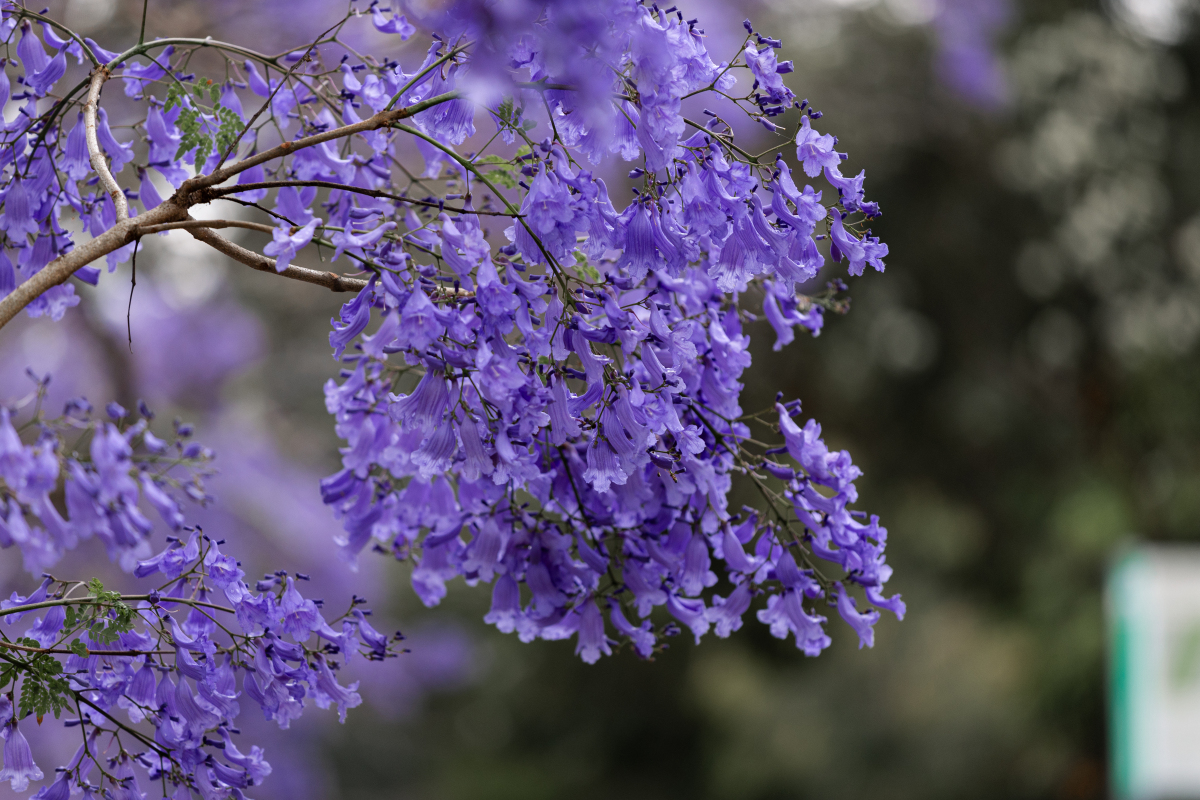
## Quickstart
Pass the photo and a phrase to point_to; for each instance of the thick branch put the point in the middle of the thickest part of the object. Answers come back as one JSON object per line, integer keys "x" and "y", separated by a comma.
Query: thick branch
{"x": 63, "y": 267}
{"x": 330, "y": 280}
{"x": 99, "y": 76}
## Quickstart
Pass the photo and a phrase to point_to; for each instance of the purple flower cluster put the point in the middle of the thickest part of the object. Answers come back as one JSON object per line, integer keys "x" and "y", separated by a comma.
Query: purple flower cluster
{"x": 50, "y": 500}
{"x": 152, "y": 681}
{"x": 551, "y": 405}
{"x": 559, "y": 417}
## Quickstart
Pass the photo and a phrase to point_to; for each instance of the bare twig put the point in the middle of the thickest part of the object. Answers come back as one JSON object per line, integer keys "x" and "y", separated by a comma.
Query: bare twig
{"x": 99, "y": 76}
{"x": 190, "y": 224}
{"x": 62, "y": 651}
{"x": 238, "y": 188}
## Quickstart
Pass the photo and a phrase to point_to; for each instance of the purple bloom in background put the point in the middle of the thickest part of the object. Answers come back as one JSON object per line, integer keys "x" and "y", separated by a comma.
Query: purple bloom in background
{"x": 397, "y": 24}
{"x": 968, "y": 61}
{"x": 185, "y": 355}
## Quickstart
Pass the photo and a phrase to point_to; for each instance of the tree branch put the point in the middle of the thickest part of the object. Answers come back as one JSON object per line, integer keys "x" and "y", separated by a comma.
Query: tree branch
{"x": 223, "y": 191}
{"x": 330, "y": 280}
{"x": 62, "y": 651}
{"x": 189, "y": 224}
{"x": 175, "y": 208}
{"x": 95, "y": 154}
{"x": 63, "y": 267}
{"x": 383, "y": 119}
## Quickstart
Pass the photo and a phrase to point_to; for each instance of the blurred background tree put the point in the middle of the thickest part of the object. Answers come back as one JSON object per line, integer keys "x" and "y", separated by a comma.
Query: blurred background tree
{"x": 1020, "y": 388}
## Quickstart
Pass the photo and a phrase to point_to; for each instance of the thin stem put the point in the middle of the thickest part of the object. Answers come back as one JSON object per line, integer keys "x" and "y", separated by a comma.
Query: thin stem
{"x": 416, "y": 78}
{"x": 87, "y": 50}
{"x": 266, "y": 103}
{"x": 93, "y": 601}
{"x": 142, "y": 32}
{"x": 190, "y": 224}
{"x": 222, "y": 191}
{"x": 65, "y": 652}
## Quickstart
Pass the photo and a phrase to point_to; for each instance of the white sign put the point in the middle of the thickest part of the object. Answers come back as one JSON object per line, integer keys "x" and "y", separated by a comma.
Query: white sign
{"x": 1154, "y": 673}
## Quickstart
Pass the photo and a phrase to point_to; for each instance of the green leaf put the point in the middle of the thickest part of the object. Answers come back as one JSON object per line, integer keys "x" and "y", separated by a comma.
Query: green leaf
{"x": 585, "y": 269}
{"x": 202, "y": 151}
{"x": 502, "y": 177}
{"x": 43, "y": 689}
{"x": 79, "y": 648}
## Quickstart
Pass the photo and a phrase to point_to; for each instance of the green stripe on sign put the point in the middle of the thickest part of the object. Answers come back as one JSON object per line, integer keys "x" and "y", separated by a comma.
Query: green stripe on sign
{"x": 1122, "y": 667}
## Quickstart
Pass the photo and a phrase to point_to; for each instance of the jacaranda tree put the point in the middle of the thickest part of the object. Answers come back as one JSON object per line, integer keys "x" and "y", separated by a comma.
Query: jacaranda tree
{"x": 538, "y": 386}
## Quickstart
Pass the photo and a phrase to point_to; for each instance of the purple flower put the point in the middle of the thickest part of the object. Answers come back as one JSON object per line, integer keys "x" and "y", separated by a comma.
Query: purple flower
{"x": 423, "y": 409}
{"x": 287, "y": 241}
{"x": 300, "y": 616}
{"x": 225, "y": 573}
{"x": 642, "y": 637}
{"x": 814, "y": 150}
{"x": 59, "y": 790}
{"x": 352, "y": 320}
{"x": 592, "y": 641}
{"x": 862, "y": 622}
{"x": 506, "y": 605}
{"x": 397, "y": 24}
{"x": 17, "y": 219}
{"x": 857, "y": 252}
{"x": 47, "y": 628}
{"x": 726, "y": 612}
{"x": 696, "y": 573}
{"x": 163, "y": 503}
{"x": 691, "y": 612}
{"x": 785, "y": 613}
{"x": 19, "y": 768}
{"x": 418, "y": 322}
{"x": 768, "y": 72}
{"x": 329, "y": 692}
{"x": 603, "y": 468}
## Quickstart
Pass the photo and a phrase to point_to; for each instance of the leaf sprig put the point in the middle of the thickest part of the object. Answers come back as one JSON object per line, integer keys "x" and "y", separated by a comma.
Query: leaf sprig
{"x": 196, "y": 121}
